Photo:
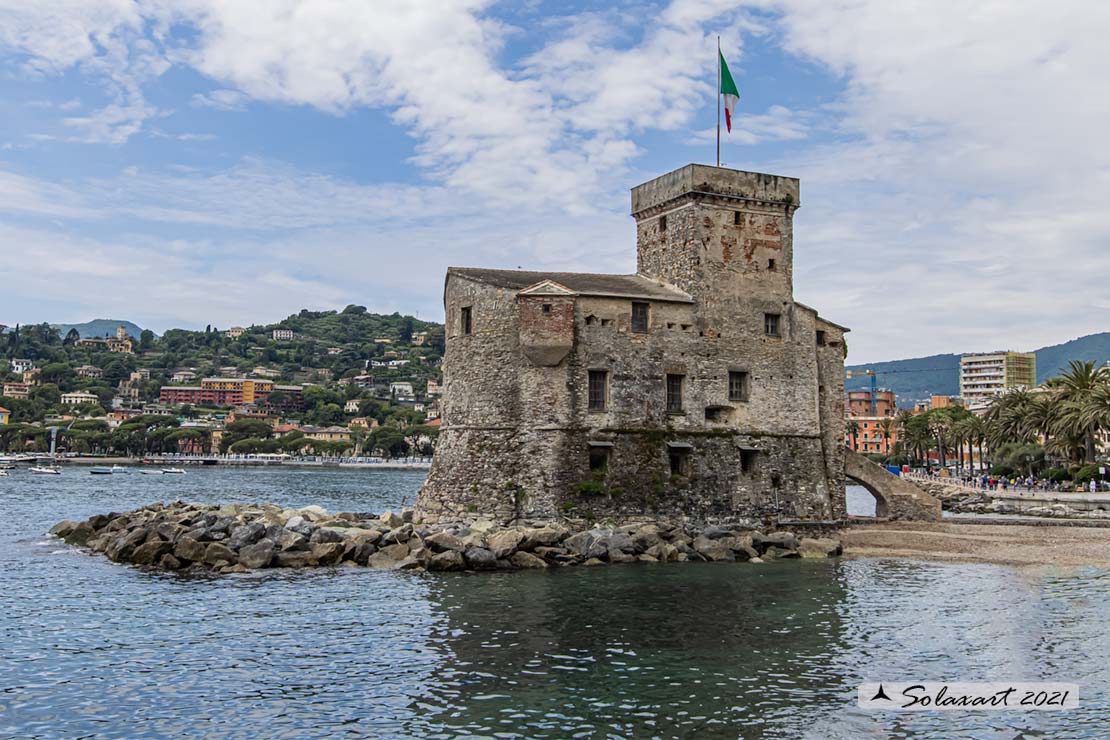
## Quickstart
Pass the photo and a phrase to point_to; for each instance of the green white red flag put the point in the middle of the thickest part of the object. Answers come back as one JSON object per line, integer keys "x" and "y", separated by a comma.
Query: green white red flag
{"x": 728, "y": 89}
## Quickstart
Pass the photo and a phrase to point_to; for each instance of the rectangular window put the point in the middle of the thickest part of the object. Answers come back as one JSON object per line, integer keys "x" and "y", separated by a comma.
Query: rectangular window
{"x": 663, "y": 225}
{"x": 736, "y": 218}
{"x": 598, "y": 389}
{"x": 464, "y": 320}
{"x": 639, "y": 317}
{"x": 747, "y": 460}
{"x": 599, "y": 459}
{"x": 820, "y": 338}
{"x": 771, "y": 265}
{"x": 771, "y": 324}
{"x": 738, "y": 386}
{"x": 674, "y": 393}
{"x": 679, "y": 459}
{"x": 547, "y": 308}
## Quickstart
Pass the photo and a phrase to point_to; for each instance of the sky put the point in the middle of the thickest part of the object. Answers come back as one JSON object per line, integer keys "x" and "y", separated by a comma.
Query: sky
{"x": 228, "y": 162}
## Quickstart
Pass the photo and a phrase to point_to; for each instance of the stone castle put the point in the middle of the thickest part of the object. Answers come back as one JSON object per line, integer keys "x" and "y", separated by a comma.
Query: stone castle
{"x": 697, "y": 388}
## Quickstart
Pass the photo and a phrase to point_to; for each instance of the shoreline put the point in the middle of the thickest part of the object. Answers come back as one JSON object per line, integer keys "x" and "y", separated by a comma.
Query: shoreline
{"x": 1003, "y": 544}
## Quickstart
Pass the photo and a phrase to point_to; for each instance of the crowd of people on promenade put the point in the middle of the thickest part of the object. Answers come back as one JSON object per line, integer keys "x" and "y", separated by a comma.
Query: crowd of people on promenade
{"x": 1027, "y": 484}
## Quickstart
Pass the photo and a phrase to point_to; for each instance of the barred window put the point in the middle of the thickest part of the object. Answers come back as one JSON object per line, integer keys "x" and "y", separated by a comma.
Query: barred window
{"x": 598, "y": 389}
{"x": 674, "y": 393}
{"x": 738, "y": 386}
{"x": 639, "y": 317}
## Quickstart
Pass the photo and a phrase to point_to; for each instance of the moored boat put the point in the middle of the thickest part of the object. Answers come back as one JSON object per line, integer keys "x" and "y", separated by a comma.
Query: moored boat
{"x": 173, "y": 471}
{"x": 46, "y": 470}
{"x": 100, "y": 471}
{"x": 152, "y": 472}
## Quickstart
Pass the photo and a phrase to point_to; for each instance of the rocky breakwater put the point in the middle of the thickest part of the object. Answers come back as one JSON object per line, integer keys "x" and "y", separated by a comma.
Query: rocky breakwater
{"x": 240, "y": 537}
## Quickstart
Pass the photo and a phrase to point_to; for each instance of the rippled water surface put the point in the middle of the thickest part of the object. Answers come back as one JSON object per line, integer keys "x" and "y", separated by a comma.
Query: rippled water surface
{"x": 679, "y": 650}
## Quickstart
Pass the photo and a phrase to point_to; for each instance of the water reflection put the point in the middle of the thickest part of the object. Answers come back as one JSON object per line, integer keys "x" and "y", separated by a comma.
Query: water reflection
{"x": 93, "y": 648}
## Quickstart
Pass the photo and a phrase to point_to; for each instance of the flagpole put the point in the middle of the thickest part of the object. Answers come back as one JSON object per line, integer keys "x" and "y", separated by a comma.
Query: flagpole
{"x": 718, "y": 100}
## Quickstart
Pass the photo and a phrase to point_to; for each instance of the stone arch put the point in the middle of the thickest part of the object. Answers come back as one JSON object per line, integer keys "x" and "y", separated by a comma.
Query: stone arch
{"x": 895, "y": 497}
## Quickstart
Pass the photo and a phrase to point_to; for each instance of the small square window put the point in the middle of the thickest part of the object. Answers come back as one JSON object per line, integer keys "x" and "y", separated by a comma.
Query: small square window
{"x": 771, "y": 324}
{"x": 599, "y": 459}
{"x": 547, "y": 308}
{"x": 598, "y": 391}
{"x": 674, "y": 393}
{"x": 738, "y": 386}
{"x": 639, "y": 317}
{"x": 464, "y": 320}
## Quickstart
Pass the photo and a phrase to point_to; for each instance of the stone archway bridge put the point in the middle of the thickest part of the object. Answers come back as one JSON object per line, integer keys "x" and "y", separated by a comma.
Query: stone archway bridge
{"x": 895, "y": 497}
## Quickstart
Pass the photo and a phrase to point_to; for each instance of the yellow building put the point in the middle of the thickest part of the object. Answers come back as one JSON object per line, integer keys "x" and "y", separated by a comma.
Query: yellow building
{"x": 4, "y": 415}
{"x": 242, "y": 390}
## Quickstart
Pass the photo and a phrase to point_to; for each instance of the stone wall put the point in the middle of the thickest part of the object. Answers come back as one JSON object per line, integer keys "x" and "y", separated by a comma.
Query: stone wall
{"x": 896, "y": 497}
{"x": 517, "y": 429}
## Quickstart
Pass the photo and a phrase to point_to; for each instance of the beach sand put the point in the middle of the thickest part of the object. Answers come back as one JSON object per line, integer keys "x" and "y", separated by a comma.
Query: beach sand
{"x": 1010, "y": 544}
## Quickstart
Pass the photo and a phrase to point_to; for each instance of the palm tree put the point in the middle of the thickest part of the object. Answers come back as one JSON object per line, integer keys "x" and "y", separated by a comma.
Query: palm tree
{"x": 1075, "y": 392}
{"x": 886, "y": 428}
{"x": 853, "y": 431}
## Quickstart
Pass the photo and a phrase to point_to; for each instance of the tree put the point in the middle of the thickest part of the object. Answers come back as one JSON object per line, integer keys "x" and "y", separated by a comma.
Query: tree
{"x": 146, "y": 340}
{"x": 71, "y": 337}
{"x": 244, "y": 429}
{"x": 1076, "y": 394}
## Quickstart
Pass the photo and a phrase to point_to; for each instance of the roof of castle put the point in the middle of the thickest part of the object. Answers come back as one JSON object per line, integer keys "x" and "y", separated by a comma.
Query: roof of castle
{"x": 617, "y": 286}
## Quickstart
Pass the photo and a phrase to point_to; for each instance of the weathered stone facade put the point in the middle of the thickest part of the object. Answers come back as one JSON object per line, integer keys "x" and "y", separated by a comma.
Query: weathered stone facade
{"x": 715, "y": 396}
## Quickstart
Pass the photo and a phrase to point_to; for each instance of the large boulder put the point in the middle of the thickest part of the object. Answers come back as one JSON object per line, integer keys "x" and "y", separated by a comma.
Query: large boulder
{"x": 150, "y": 552}
{"x": 120, "y": 548}
{"x": 218, "y": 553}
{"x": 446, "y": 560}
{"x": 327, "y": 553}
{"x": 63, "y": 529}
{"x": 712, "y": 549}
{"x": 257, "y": 555}
{"x": 527, "y": 560}
{"x": 504, "y": 543}
{"x": 596, "y": 543}
{"x": 325, "y": 535}
{"x": 245, "y": 534}
{"x": 391, "y": 520}
{"x": 445, "y": 541}
{"x": 189, "y": 549}
{"x": 402, "y": 533}
{"x": 80, "y": 534}
{"x": 781, "y": 540}
{"x": 819, "y": 548}
{"x": 479, "y": 558}
{"x": 546, "y": 536}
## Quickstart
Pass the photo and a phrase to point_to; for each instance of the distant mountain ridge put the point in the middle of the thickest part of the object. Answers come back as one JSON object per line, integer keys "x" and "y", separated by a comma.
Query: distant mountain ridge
{"x": 921, "y": 377}
{"x": 99, "y": 327}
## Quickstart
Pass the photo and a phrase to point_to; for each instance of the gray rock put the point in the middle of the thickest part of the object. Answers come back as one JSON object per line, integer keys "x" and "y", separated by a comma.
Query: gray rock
{"x": 359, "y": 552}
{"x": 645, "y": 558}
{"x": 409, "y": 564}
{"x": 121, "y": 548}
{"x": 169, "y": 562}
{"x": 819, "y": 548}
{"x": 293, "y": 559}
{"x": 325, "y": 535}
{"x": 712, "y": 549}
{"x": 479, "y": 558}
{"x": 189, "y": 549}
{"x": 391, "y": 520}
{"x": 527, "y": 560}
{"x": 314, "y": 513}
{"x": 447, "y": 560}
{"x": 546, "y": 536}
{"x": 444, "y": 541}
{"x": 327, "y": 553}
{"x": 150, "y": 553}
{"x": 616, "y": 556}
{"x": 246, "y": 534}
{"x": 300, "y": 525}
{"x": 63, "y": 529}
{"x": 217, "y": 553}
{"x": 664, "y": 551}
{"x": 596, "y": 543}
{"x": 80, "y": 534}
{"x": 504, "y": 543}
{"x": 783, "y": 540}
{"x": 779, "y": 553}
{"x": 362, "y": 534}
{"x": 716, "y": 532}
{"x": 257, "y": 555}
{"x": 402, "y": 533}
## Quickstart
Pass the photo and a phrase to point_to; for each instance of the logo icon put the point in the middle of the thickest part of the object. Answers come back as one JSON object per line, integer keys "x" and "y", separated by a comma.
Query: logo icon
{"x": 880, "y": 694}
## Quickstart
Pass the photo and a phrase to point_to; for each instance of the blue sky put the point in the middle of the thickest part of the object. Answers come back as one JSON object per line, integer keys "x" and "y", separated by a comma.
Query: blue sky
{"x": 201, "y": 162}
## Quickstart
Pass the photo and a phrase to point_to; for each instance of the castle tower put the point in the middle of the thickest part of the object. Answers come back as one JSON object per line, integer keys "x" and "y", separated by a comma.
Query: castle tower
{"x": 723, "y": 236}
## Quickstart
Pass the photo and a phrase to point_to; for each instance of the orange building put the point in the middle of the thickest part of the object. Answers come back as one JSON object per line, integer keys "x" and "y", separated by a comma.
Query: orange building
{"x": 871, "y": 431}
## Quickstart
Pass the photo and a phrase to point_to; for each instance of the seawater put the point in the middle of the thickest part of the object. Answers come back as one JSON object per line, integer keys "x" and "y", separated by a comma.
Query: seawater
{"x": 91, "y": 648}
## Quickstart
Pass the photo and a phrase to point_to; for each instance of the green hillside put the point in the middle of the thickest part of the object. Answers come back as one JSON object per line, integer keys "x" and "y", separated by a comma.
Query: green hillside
{"x": 918, "y": 378}
{"x": 99, "y": 328}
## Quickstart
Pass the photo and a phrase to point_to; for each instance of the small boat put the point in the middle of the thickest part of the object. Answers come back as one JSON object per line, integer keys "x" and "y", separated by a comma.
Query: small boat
{"x": 3, "y": 473}
{"x": 173, "y": 471}
{"x": 152, "y": 472}
{"x": 121, "y": 469}
{"x": 46, "y": 470}
{"x": 100, "y": 471}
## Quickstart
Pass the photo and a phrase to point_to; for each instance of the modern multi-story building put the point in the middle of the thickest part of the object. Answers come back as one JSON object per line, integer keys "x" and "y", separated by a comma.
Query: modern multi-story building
{"x": 283, "y": 335}
{"x": 871, "y": 426}
{"x": 233, "y": 392}
{"x": 984, "y": 375}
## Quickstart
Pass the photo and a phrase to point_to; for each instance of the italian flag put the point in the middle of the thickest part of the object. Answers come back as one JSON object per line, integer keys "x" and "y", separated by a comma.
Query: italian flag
{"x": 728, "y": 89}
